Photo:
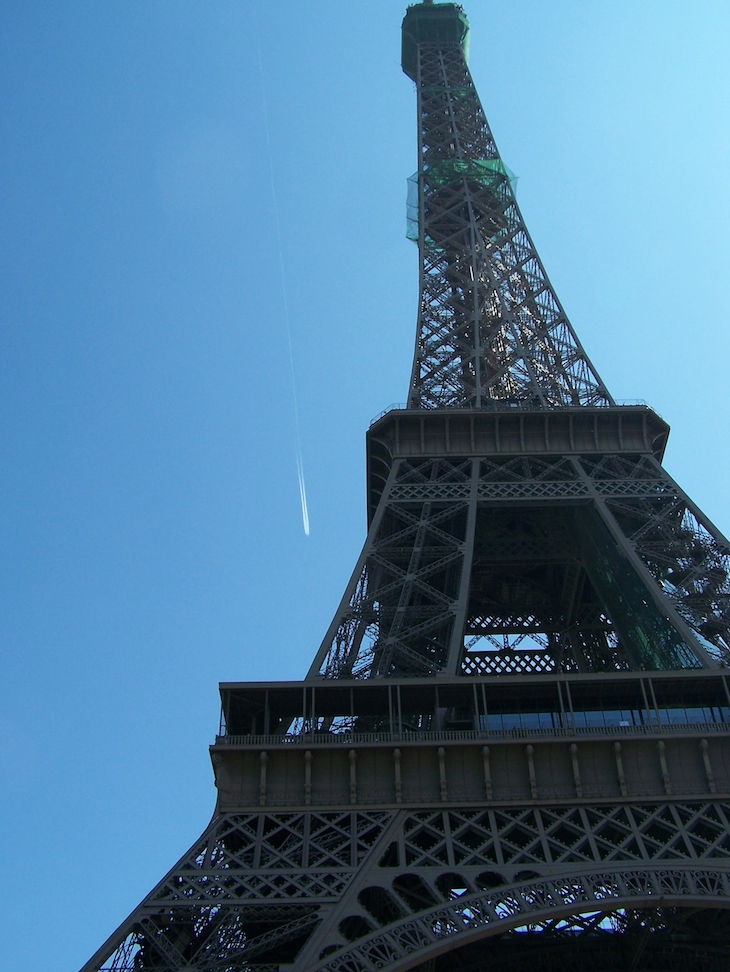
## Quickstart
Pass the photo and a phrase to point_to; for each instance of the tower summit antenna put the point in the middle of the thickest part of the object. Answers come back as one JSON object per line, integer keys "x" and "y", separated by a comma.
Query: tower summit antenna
{"x": 512, "y": 750}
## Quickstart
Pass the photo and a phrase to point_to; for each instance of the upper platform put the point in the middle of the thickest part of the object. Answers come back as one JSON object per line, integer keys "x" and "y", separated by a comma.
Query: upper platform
{"x": 429, "y": 23}
{"x": 506, "y": 433}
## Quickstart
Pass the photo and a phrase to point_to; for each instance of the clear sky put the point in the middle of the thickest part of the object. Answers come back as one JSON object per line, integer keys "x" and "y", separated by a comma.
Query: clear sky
{"x": 149, "y": 515}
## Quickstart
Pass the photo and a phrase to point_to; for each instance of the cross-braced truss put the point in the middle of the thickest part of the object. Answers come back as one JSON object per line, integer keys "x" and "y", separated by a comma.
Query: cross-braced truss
{"x": 399, "y": 616}
{"x": 357, "y": 890}
{"x": 534, "y": 534}
{"x": 490, "y": 328}
{"x": 530, "y": 564}
{"x": 685, "y": 553}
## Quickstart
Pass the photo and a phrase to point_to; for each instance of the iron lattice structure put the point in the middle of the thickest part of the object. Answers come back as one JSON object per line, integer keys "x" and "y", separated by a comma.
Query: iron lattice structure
{"x": 512, "y": 750}
{"x": 490, "y": 327}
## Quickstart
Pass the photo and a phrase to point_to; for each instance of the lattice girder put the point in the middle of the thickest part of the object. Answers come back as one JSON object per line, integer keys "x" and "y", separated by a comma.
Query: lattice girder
{"x": 511, "y": 750}
{"x": 408, "y": 885}
{"x": 490, "y": 326}
{"x": 435, "y": 572}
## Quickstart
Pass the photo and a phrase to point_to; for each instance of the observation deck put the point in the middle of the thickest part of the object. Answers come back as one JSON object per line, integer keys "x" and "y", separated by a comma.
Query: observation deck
{"x": 509, "y": 432}
{"x": 429, "y": 23}
{"x": 582, "y": 737}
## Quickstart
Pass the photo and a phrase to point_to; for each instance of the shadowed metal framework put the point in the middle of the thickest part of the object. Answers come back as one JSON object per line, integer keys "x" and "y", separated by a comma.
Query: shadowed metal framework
{"x": 490, "y": 327}
{"x": 512, "y": 750}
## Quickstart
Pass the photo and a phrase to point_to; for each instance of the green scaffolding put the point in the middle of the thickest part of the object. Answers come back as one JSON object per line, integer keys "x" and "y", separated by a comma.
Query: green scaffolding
{"x": 488, "y": 173}
{"x": 648, "y": 635}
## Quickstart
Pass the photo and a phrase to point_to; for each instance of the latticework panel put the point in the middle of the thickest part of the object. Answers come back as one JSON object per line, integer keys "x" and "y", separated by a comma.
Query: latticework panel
{"x": 511, "y": 662}
{"x": 561, "y": 549}
{"x": 486, "y": 564}
{"x": 399, "y": 616}
{"x": 350, "y": 890}
{"x": 685, "y": 554}
{"x": 473, "y": 917}
{"x": 490, "y": 328}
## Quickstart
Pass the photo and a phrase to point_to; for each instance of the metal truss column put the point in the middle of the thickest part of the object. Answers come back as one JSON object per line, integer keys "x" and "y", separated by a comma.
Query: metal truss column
{"x": 422, "y": 801}
{"x": 341, "y": 664}
{"x": 425, "y": 881}
{"x": 628, "y": 550}
{"x": 456, "y": 648}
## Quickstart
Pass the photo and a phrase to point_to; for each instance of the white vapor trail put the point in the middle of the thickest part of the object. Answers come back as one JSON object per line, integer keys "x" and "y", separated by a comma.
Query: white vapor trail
{"x": 298, "y": 449}
{"x": 303, "y": 495}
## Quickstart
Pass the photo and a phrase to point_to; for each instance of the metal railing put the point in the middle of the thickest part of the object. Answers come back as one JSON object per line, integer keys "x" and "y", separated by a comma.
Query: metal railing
{"x": 396, "y": 406}
{"x": 497, "y": 405}
{"x": 465, "y": 735}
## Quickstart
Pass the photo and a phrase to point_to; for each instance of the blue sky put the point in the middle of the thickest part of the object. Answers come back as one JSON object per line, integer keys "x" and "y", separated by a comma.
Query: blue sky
{"x": 149, "y": 516}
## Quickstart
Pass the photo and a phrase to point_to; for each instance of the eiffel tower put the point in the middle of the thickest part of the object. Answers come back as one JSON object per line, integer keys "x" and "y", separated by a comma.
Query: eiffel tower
{"x": 511, "y": 750}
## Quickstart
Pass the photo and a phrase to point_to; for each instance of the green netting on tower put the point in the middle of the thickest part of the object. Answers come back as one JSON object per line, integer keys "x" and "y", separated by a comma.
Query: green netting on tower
{"x": 648, "y": 635}
{"x": 488, "y": 173}
{"x": 485, "y": 172}
{"x": 412, "y": 208}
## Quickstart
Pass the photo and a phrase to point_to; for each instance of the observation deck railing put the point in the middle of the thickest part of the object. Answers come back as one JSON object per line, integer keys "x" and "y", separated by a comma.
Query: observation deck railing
{"x": 503, "y": 406}
{"x": 474, "y": 735}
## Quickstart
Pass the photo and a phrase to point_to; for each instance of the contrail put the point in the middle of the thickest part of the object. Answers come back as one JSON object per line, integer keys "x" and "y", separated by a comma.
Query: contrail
{"x": 298, "y": 450}
{"x": 303, "y": 494}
